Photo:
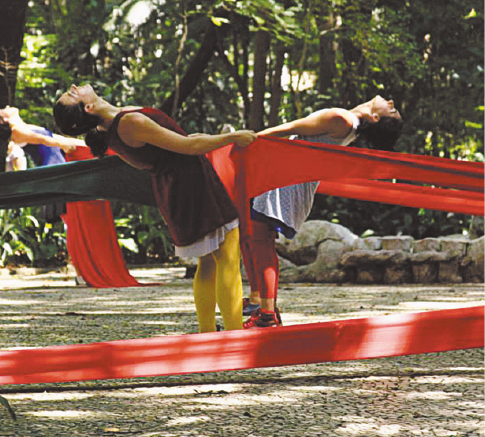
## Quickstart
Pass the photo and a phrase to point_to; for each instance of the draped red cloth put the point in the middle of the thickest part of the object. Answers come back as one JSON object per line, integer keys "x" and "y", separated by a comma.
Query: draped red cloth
{"x": 92, "y": 242}
{"x": 269, "y": 162}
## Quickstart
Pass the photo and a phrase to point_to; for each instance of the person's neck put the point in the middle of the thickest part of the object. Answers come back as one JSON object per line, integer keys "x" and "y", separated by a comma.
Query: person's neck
{"x": 362, "y": 111}
{"x": 108, "y": 112}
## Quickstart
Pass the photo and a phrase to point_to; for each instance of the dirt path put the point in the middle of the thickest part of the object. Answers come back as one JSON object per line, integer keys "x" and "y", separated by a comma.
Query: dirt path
{"x": 424, "y": 395}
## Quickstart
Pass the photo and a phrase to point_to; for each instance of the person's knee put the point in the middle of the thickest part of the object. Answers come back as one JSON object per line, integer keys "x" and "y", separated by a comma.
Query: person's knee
{"x": 227, "y": 257}
{"x": 205, "y": 267}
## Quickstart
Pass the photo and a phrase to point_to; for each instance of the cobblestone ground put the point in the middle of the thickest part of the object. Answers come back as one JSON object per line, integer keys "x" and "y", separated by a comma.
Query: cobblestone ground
{"x": 423, "y": 395}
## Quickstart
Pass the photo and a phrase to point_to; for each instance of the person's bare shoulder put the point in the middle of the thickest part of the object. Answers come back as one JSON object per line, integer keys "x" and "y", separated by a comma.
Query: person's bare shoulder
{"x": 340, "y": 122}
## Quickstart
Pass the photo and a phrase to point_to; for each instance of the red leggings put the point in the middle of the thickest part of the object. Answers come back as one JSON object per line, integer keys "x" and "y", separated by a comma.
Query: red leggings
{"x": 261, "y": 260}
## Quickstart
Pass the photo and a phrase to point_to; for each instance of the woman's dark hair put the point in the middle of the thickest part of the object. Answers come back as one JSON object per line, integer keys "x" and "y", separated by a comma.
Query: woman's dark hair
{"x": 5, "y": 131}
{"x": 96, "y": 141}
{"x": 381, "y": 135}
{"x": 73, "y": 120}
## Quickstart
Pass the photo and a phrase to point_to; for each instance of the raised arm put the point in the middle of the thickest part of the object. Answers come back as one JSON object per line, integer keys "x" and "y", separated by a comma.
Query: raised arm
{"x": 335, "y": 122}
{"x": 68, "y": 144}
{"x": 23, "y": 134}
{"x": 136, "y": 130}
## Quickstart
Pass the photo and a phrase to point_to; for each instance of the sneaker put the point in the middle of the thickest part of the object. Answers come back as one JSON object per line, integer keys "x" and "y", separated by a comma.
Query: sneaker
{"x": 263, "y": 319}
{"x": 248, "y": 307}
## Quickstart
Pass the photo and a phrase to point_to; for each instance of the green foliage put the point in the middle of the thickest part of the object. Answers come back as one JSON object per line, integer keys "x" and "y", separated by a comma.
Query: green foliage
{"x": 37, "y": 80}
{"x": 269, "y": 15}
{"x": 143, "y": 234}
{"x": 9, "y": 241}
{"x": 370, "y": 218}
{"x": 29, "y": 239}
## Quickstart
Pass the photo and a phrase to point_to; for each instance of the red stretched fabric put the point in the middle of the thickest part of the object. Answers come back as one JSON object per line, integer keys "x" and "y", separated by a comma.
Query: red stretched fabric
{"x": 466, "y": 202}
{"x": 271, "y": 162}
{"x": 304, "y": 161}
{"x": 92, "y": 242}
{"x": 354, "y": 339}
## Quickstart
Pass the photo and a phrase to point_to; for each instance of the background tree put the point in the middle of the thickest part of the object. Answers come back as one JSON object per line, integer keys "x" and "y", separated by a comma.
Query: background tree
{"x": 12, "y": 28}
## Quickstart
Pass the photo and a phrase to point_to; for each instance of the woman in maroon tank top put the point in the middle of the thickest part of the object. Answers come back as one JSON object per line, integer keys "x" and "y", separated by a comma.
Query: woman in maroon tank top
{"x": 198, "y": 211}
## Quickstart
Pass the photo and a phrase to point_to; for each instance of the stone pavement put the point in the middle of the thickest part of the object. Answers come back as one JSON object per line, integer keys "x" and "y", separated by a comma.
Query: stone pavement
{"x": 423, "y": 395}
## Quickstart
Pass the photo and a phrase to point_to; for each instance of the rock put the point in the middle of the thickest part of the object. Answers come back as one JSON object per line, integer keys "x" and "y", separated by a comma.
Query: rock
{"x": 303, "y": 249}
{"x": 325, "y": 252}
{"x": 473, "y": 262}
{"x": 425, "y": 265}
{"x": 369, "y": 243}
{"x": 321, "y": 242}
{"x": 379, "y": 266}
{"x": 449, "y": 270}
{"x": 456, "y": 246}
{"x": 427, "y": 244}
{"x": 425, "y": 273}
{"x": 404, "y": 243}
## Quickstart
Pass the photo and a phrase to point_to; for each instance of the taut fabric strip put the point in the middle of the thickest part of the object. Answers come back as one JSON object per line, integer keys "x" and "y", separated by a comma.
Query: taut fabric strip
{"x": 340, "y": 340}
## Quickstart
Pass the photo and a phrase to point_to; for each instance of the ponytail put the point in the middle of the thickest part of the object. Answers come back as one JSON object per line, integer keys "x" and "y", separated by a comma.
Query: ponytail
{"x": 97, "y": 141}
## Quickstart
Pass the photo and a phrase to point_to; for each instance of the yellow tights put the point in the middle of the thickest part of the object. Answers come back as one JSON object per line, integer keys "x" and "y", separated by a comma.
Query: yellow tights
{"x": 218, "y": 280}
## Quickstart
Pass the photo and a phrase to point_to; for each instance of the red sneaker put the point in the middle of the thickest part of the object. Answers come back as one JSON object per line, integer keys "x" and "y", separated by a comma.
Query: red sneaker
{"x": 263, "y": 319}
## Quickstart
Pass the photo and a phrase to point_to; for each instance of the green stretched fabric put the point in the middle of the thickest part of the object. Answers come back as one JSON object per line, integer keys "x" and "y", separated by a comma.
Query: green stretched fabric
{"x": 109, "y": 178}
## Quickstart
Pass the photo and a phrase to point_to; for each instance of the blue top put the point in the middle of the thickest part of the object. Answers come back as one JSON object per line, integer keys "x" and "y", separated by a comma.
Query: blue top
{"x": 43, "y": 155}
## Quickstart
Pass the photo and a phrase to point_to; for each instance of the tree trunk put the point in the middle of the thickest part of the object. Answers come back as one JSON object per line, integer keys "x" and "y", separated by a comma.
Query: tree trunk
{"x": 326, "y": 23}
{"x": 195, "y": 70}
{"x": 276, "y": 90}
{"x": 12, "y": 27}
{"x": 256, "y": 118}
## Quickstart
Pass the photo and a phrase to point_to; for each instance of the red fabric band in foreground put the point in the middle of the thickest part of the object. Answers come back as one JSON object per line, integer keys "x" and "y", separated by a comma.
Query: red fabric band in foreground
{"x": 354, "y": 339}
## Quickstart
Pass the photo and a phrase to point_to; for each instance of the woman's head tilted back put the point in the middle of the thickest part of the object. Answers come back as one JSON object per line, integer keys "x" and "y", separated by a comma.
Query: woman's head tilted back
{"x": 71, "y": 117}
{"x": 381, "y": 124}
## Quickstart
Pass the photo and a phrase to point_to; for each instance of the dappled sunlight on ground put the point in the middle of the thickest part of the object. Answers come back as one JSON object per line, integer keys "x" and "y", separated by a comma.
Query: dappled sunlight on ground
{"x": 68, "y": 415}
{"x": 427, "y": 395}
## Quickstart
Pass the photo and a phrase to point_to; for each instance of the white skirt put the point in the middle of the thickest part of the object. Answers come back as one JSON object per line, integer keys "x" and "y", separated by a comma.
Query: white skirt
{"x": 207, "y": 244}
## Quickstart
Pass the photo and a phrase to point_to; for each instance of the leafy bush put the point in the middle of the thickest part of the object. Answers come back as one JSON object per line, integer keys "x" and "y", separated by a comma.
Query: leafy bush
{"x": 26, "y": 238}
{"x": 371, "y": 218}
{"x": 142, "y": 234}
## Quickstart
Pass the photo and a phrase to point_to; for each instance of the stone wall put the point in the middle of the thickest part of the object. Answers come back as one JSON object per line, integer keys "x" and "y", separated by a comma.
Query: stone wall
{"x": 325, "y": 252}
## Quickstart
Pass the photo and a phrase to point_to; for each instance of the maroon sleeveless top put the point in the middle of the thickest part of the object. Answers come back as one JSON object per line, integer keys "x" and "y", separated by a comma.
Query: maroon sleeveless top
{"x": 188, "y": 191}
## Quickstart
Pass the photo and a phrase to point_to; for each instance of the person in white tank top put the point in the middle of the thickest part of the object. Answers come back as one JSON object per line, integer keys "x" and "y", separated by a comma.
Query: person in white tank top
{"x": 285, "y": 209}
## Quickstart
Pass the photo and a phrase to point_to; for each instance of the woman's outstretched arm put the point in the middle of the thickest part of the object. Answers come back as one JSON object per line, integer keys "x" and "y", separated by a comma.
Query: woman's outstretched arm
{"x": 136, "y": 130}
{"x": 24, "y": 134}
{"x": 335, "y": 122}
